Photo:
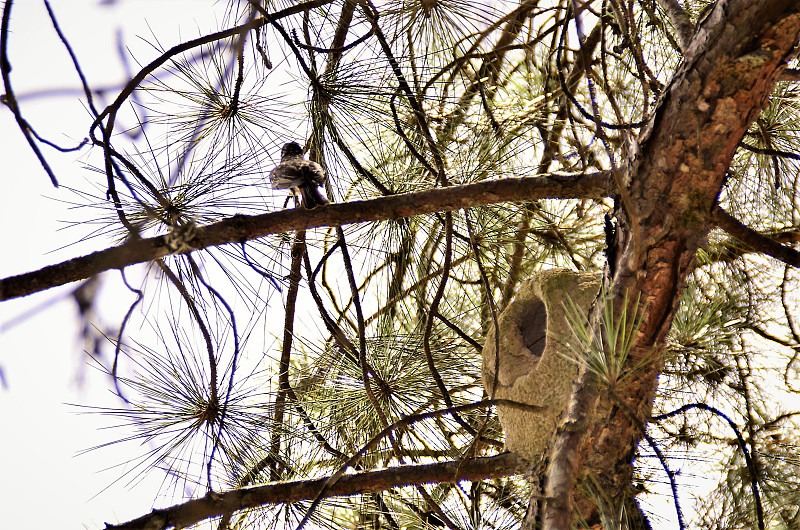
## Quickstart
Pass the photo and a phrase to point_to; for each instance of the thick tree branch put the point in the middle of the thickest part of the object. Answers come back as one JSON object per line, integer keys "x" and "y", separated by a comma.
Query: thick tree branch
{"x": 244, "y": 227}
{"x": 216, "y": 504}
{"x": 757, "y": 241}
{"x": 673, "y": 175}
{"x": 680, "y": 20}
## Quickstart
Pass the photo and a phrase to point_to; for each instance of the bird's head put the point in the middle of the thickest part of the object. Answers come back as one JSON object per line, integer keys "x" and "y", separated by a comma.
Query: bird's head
{"x": 291, "y": 149}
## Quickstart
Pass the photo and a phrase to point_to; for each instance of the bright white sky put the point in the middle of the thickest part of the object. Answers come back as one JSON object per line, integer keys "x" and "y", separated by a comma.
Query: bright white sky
{"x": 44, "y": 484}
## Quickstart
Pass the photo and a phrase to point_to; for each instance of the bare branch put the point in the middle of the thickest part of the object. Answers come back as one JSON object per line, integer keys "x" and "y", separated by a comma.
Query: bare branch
{"x": 216, "y": 504}
{"x": 244, "y": 227}
{"x": 754, "y": 239}
{"x": 10, "y": 100}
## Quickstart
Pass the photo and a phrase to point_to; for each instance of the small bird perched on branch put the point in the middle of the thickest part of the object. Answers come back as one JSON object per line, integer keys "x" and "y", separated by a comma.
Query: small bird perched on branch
{"x": 303, "y": 177}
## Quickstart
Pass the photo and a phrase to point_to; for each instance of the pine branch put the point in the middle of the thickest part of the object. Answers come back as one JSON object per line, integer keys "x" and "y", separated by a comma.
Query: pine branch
{"x": 757, "y": 241}
{"x": 656, "y": 222}
{"x": 241, "y": 228}
{"x": 216, "y": 504}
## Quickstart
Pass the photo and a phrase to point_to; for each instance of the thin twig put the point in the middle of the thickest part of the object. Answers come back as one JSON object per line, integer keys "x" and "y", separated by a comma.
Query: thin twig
{"x": 740, "y": 442}
{"x": 295, "y": 275}
{"x": 10, "y": 100}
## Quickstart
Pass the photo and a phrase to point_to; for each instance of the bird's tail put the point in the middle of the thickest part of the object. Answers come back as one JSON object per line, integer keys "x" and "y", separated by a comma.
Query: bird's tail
{"x": 311, "y": 197}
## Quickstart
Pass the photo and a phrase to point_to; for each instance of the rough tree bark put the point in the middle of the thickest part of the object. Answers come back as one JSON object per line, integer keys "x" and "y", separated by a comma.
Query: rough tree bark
{"x": 669, "y": 187}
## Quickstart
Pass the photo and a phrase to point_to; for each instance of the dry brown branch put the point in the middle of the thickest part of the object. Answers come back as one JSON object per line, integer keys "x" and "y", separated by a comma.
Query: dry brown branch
{"x": 244, "y": 227}
{"x": 755, "y": 240}
{"x": 216, "y": 504}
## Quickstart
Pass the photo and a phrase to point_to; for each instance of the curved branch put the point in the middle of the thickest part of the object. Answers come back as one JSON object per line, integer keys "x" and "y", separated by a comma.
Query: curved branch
{"x": 112, "y": 109}
{"x": 434, "y": 309}
{"x": 10, "y": 100}
{"x": 333, "y": 49}
{"x": 751, "y": 467}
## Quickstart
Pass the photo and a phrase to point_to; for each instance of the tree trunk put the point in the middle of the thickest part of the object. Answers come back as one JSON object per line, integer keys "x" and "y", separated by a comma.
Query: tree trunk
{"x": 668, "y": 187}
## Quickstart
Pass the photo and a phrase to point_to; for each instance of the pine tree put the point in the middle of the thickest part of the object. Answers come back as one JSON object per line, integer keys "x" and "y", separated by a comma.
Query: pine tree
{"x": 326, "y": 366}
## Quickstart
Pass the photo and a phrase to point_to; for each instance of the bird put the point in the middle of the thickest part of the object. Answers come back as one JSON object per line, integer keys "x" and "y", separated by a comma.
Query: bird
{"x": 302, "y": 177}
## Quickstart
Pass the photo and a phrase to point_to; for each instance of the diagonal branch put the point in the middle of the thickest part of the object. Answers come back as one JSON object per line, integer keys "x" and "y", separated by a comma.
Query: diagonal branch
{"x": 757, "y": 241}
{"x": 216, "y": 504}
{"x": 674, "y": 173}
{"x": 680, "y": 20}
{"x": 241, "y": 228}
